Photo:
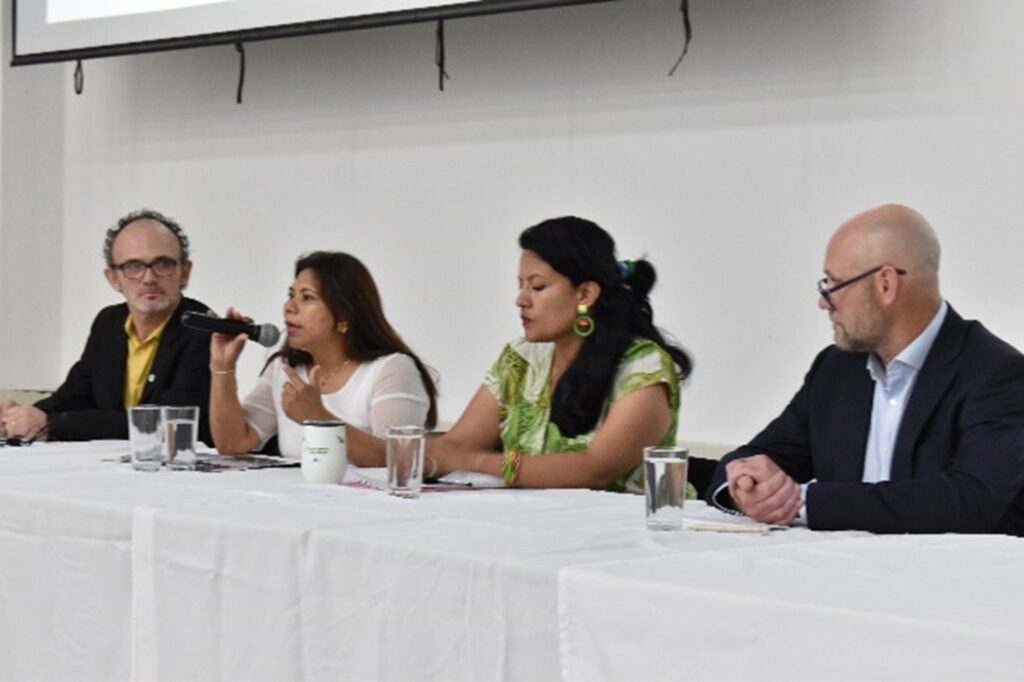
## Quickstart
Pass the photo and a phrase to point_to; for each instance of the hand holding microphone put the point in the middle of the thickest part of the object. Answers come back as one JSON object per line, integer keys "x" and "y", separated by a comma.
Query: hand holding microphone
{"x": 229, "y": 334}
{"x": 233, "y": 324}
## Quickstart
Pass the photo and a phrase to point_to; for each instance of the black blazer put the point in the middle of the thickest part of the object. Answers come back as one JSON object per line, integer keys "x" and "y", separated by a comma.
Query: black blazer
{"x": 90, "y": 403}
{"x": 958, "y": 461}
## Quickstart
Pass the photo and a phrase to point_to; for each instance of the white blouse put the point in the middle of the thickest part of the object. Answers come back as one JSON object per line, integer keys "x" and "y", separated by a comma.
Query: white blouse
{"x": 384, "y": 392}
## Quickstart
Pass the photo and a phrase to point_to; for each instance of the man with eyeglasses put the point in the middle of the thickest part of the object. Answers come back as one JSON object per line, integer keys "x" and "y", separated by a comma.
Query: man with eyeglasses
{"x": 137, "y": 351}
{"x": 913, "y": 422}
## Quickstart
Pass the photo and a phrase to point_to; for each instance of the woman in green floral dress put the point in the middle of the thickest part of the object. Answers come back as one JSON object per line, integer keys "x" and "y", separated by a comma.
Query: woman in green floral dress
{"x": 592, "y": 382}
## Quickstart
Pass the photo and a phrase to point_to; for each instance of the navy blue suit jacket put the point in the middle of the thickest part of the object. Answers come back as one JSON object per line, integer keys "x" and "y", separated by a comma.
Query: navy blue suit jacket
{"x": 958, "y": 462}
{"x": 90, "y": 403}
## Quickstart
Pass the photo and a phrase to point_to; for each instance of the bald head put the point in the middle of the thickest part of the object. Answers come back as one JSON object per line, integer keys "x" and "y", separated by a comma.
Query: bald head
{"x": 895, "y": 235}
{"x": 885, "y": 263}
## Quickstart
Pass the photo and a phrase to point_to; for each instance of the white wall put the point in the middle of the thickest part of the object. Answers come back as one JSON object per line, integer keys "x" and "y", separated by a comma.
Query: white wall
{"x": 787, "y": 117}
{"x": 31, "y": 220}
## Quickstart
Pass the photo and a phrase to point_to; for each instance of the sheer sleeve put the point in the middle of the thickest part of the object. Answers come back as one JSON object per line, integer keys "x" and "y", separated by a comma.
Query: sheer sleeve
{"x": 258, "y": 406}
{"x": 398, "y": 396}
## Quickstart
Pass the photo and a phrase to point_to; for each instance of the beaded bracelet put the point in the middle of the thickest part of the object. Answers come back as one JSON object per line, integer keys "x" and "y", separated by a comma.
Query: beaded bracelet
{"x": 511, "y": 462}
{"x": 221, "y": 372}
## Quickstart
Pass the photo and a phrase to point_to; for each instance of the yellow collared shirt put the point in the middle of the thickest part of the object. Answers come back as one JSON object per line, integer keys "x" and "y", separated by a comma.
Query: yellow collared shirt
{"x": 140, "y": 360}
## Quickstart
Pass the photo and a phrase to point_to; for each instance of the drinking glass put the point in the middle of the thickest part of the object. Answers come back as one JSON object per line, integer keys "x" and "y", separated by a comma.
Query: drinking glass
{"x": 145, "y": 433}
{"x": 404, "y": 448}
{"x": 181, "y": 427}
{"x": 665, "y": 486}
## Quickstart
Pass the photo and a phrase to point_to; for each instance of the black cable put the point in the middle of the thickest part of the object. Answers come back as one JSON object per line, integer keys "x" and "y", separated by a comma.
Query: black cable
{"x": 79, "y": 78}
{"x": 439, "y": 57}
{"x": 241, "y": 71}
{"x": 687, "y": 31}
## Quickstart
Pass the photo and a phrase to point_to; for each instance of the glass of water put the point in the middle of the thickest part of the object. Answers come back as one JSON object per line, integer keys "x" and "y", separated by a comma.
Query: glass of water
{"x": 181, "y": 426}
{"x": 404, "y": 450}
{"x": 145, "y": 434}
{"x": 665, "y": 486}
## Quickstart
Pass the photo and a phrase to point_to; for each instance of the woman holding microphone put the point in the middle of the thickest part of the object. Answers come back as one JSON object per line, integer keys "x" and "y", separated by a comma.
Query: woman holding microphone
{"x": 342, "y": 359}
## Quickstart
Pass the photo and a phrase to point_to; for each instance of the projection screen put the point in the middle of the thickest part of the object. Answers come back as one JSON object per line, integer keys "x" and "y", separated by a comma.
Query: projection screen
{"x": 65, "y": 30}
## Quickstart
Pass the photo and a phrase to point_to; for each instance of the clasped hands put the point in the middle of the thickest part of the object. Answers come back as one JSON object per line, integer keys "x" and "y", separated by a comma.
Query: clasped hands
{"x": 21, "y": 421}
{"x": 763, "y": 491}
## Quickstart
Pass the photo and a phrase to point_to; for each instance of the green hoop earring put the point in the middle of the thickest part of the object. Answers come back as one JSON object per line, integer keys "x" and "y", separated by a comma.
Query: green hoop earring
{"x": 583, "y": 325}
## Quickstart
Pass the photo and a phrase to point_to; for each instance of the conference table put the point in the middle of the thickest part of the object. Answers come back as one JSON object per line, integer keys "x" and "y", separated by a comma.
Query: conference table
{"x": 110, "y": 574}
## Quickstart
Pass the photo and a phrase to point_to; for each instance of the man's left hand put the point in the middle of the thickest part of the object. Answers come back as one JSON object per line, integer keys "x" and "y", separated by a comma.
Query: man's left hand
{"x": 762, "y": 490}
{"x": 24, "y": 421}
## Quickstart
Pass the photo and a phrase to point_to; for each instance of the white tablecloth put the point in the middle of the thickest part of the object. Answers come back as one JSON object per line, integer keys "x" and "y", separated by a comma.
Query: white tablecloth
{"x": 107, "y": 574}
{"x": 850, "y": 608}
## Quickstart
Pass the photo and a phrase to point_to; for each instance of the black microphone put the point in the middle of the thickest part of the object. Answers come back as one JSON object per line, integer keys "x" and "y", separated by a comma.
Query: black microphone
{"x": 263, "y": 334}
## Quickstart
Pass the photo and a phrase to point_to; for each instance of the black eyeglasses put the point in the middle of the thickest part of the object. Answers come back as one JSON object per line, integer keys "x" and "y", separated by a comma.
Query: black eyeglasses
{"x": 826, "y": 291}
{"x": 134, "y": 269}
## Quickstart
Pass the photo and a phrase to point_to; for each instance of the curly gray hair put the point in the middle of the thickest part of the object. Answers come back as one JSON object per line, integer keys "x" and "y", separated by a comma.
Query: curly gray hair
{"x": 143, "y": 214}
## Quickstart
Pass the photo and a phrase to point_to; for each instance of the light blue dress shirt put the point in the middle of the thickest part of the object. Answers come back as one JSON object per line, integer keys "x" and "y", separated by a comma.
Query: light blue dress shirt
{"x": 893, "y": 386}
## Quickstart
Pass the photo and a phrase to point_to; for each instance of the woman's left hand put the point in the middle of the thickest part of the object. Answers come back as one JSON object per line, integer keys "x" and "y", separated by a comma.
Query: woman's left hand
{"x": 301, "y": 400}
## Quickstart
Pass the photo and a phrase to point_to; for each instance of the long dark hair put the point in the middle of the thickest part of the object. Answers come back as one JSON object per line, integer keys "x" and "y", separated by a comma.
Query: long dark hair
{"x": 351, "y": 295}
{"x": 584, "y": 252}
